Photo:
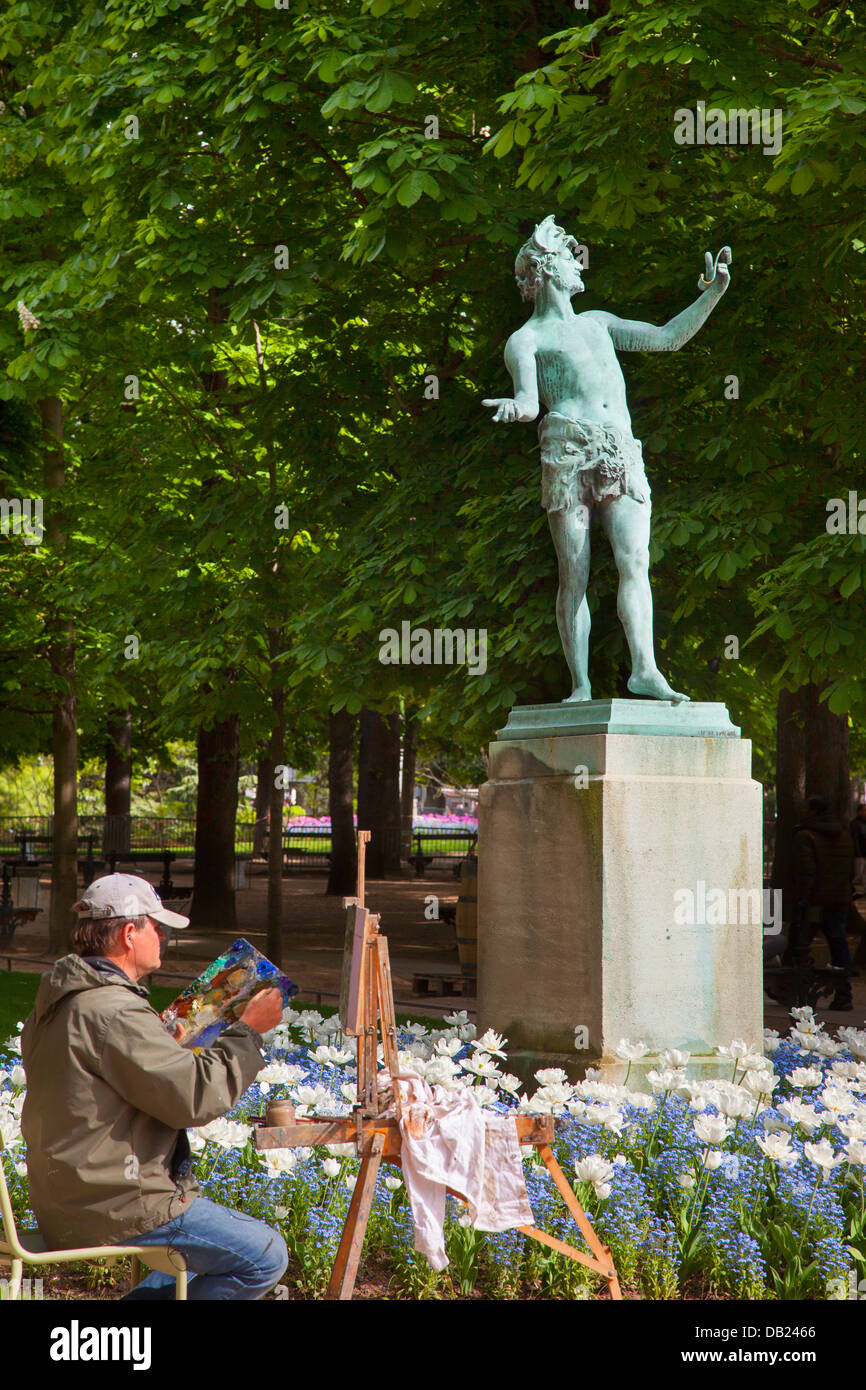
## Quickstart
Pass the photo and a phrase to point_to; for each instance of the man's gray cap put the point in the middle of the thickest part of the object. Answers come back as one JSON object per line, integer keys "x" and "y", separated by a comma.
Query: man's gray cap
{"x": 126, "y": 895}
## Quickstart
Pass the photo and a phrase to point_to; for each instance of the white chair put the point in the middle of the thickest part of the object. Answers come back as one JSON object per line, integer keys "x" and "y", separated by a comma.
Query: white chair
{"x": 20, "y": 1248}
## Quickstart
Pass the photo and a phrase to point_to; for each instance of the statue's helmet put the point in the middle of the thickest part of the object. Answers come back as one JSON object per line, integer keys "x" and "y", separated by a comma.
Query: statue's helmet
{"x": 537, "y": 257}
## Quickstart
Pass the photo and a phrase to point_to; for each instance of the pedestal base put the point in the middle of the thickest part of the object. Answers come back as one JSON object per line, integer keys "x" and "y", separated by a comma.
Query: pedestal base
{"x": 620, "y": 883}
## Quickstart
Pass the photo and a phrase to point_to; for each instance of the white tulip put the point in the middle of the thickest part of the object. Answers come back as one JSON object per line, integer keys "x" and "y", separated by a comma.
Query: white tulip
{"x": 593, "y": 1168}
{"x": 551, "y": 1076}
{"x": 761, "y": 1083}
{"x": 837, "y": 1101}
{"x": 711, "y": 1129}
{"x": 778, "y": 1148}
{"x": 822, "y": 1155}
{"x": 806, "y": 1077}
{"x": 672, "y": 1059}
{"x": 664, "y": 1081}
{"x": 737, "y": 1049}
{"x": 735, "y": 1106}
{"x": 806, "y": 1116}
{"x": 492, "y": 1043}
{"x": 279, "y": 1161}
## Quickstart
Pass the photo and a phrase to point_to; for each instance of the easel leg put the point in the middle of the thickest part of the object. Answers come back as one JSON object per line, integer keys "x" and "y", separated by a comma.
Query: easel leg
{"x": 604, "y": 1265}
{"x": 349, "y": 1253}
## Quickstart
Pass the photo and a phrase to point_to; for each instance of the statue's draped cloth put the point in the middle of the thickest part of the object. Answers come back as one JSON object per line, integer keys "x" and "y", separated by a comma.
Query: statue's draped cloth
{"x": 584, "y": 463}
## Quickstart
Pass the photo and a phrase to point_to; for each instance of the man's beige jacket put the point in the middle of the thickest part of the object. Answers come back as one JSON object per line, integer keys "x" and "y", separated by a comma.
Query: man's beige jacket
{"x": 109, "y": 1096}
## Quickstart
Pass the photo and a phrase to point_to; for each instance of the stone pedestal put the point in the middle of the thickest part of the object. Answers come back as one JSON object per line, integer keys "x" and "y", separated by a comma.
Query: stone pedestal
{"x": 619, "y": 883}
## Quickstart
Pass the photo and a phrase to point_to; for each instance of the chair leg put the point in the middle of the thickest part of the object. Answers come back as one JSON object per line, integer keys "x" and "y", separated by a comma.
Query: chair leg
{"x": 180, "y": 1286}
{"x": 136, "y": 1271}
{"x": 15, "y": 1278}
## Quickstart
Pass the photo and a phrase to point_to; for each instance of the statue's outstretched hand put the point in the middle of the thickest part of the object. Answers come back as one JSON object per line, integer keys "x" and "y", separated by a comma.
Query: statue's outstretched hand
{"x": 716, "y": 275}
{"x": 506, "y": 410}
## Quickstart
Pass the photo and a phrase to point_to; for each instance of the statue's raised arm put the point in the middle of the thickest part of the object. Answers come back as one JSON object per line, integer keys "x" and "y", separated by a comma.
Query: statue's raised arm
{"x": 631, "y": 335}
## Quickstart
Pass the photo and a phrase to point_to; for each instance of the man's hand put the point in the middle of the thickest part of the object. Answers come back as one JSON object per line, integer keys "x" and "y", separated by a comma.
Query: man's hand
{"x": 264, "y": 1010}
{"x": 507, "y": 410}
{"x": 716, "y": 275}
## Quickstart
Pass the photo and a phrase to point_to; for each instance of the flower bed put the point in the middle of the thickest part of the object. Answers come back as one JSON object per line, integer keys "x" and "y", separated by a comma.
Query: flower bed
{"x": 750, "y": 1187}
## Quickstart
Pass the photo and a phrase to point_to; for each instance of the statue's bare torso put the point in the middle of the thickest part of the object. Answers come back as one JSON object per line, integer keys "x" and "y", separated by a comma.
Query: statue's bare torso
{"x": 578, "y": 373}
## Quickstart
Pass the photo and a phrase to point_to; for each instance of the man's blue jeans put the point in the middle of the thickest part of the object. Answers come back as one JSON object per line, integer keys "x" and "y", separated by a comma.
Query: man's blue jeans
{"x": 229, "y": 1255}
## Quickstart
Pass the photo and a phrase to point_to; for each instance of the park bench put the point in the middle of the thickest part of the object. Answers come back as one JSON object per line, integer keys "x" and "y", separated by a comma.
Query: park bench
{"x": 10, "y": 915}
{"x": 440, "y": 982}
{"x": 431, "y": 854}
{"x": 165, "y": 888}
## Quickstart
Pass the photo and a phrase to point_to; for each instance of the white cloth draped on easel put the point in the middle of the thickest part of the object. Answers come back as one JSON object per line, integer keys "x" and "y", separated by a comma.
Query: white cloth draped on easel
{"x": 449, "y": 1142}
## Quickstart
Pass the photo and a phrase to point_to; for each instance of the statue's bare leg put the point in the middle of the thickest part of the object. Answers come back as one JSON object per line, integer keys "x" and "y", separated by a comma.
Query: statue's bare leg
{"x": 570, "y": 531}
{"x": 627, "y": 523}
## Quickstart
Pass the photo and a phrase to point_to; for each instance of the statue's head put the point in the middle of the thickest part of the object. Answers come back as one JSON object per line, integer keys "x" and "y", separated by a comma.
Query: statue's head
{"x": 549, "y": 254}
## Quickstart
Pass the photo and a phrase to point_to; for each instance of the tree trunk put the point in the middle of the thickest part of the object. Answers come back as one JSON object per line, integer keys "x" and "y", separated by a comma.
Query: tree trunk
{"x": 64, "y": 716}
{"x": 379, "y": 791}
{"x": 276, "y": 802}
{"x": 407, "y": 788}
{"x": 827, "y": 763}
{"x": 811, "y": 760}
{"x": 118, "y": 783}
{"x": 342, "y": 875}
{"x": 64, "y": 746}
{"x": 790, "y": 789}
{"x": 264, "y": 785}
{"x": 213, "y": 896}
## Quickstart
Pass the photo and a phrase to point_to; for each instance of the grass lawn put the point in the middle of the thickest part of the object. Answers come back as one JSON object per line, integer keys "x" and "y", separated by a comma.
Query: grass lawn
{"x": 18, "y": 991}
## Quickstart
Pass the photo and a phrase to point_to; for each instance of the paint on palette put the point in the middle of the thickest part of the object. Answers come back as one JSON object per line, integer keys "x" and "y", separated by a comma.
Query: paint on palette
{"x": 221, "y": 993}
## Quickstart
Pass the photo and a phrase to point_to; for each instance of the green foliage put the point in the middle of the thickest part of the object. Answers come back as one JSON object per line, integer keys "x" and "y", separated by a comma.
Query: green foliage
{"x": 398, "y": 151}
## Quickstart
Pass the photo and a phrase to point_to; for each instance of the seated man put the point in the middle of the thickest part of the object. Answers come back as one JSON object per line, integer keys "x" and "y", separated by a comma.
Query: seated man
{"x": 109, "y": 1096}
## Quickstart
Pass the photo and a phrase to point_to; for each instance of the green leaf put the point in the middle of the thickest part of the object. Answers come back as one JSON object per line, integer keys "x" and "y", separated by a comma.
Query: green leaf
{"x": 802, "y": 180}
{"x": 727, "y": 565}
{"x": 411, "y": 186}
{"x": 850, "y": 584}
{"x": 503, "y": 142}
{"x": 382, "y": 95}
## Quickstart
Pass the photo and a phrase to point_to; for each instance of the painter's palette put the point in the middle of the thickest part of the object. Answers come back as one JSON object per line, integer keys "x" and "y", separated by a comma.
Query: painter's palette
{"x": 221, "y": 993}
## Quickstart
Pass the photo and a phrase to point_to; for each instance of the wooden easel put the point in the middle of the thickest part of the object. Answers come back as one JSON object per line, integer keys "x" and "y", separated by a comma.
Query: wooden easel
{"x": 367, "y": 1008}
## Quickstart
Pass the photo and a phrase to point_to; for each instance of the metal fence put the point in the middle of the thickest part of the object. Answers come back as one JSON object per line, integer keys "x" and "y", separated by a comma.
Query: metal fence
{"x": 112, "y": 839}
{"x": 30, "y": 838}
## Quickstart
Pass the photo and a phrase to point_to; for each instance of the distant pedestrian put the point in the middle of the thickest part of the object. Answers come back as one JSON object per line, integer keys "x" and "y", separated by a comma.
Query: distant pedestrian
{"x": 824, "y": 864}
{"x": 858, "y": 835}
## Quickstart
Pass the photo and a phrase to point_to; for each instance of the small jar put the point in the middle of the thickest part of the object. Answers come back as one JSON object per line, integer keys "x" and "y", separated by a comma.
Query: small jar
{"x": 279, "y": 1112}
